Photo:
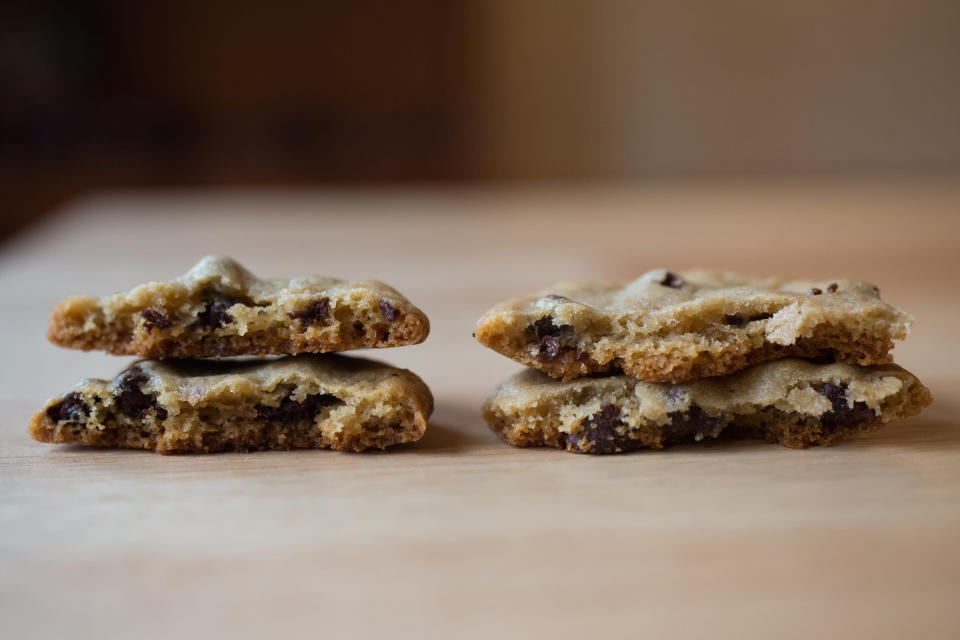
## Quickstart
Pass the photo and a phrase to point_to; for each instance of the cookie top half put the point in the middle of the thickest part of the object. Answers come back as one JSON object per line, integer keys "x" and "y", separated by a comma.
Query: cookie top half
{"x": 670, "y": 327}
{"x": 218, "y": 308}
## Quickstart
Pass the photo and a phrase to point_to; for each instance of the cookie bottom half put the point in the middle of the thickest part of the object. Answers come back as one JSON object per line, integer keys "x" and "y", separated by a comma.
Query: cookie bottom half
{"x": 794, "y": 403}
{"x": 297, "y": 402}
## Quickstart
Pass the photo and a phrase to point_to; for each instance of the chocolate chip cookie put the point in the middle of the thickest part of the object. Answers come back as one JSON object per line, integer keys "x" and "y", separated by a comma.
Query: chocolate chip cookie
{"x": 191, "y": 406}
{"x": 670, "y": 327}
{"x": 220, "y": 309}
{"x": 794, "y": 402}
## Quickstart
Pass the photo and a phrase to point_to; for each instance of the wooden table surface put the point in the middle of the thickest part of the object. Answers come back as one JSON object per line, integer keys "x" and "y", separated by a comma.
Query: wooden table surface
{"x": 461, "y": 535}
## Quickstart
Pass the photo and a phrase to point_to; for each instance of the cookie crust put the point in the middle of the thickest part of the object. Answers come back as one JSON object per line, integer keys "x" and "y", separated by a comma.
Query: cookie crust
{"x": 220, "y": 309}
{"x": 794, "y": 402}
{"x": 307, "y": 401}
{"x": 667, "y": 327}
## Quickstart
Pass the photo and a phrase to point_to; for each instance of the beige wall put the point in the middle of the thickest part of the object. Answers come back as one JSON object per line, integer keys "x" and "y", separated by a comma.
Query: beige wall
{"x": 571, "y": 87}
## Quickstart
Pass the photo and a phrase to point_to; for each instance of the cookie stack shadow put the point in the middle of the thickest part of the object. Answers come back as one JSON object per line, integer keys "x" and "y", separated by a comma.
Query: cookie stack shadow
{"x": 234, "y": 362}
{"x": 686, "y": 357}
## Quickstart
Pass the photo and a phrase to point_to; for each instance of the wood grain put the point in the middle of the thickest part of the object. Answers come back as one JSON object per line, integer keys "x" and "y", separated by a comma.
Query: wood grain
{"x": 461, "y": 535}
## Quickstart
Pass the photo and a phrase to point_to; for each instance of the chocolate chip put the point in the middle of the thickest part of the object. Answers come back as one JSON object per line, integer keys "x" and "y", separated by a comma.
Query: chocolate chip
{"x": 832, "y": 287}
{"x": 815, "y": 291}
{"x": 685, "y": 425}
{"x": 154, "y": 319}
{"x": 548, "y": 348}
{"x": 71, "y": 409}
{"x": 358, "y": 326}
{"x": 670, "y": 279}
{"x": 598, "y": 433}
{"x": 291, "y": 411}
{"x": 130, "y": 398}
{"x": 550, "y": 339}
{"x": 214, "y": 314}
{"x": 389, "y": 311}
{"x": 554, "y": 296}
{"x": 842, "y": 415}
{"x": 545, "y": 327}
{"x": 828, "y": 358}
{"x": 739, "y": 321}
{"x": 316, "y": 311}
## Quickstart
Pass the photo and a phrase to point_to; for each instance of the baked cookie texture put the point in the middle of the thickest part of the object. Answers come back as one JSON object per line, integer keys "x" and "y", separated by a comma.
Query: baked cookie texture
{"x": 190, "y": 406}
{"x": 669, "y": 327}
{"x": 219, "y": 309}
{"x": 794, "y": 402}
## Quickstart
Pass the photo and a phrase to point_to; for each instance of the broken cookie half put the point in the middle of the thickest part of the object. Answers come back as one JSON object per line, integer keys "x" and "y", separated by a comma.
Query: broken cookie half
{"x": 220, "y": 309}
{"x": 189, "y": 406}
{"x": 794, "y": 402}
{"x": 670, "y": 327}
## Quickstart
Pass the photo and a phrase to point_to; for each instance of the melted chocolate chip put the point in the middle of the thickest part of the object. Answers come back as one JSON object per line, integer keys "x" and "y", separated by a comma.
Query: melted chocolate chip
{"x": 842, "y": 415}
{"x": 685, "y": 425}
{"x": 358, "y": 326}
{"x": 291, "y": 411}
{"x": 315, "y": 311}
{"x": 389, "y": 311}
{"x": 739, "y": 321}
{"x": 827, "y": 358}
{"x": 155, "y": 319}
{"x": 815, "y": 291}
{"x": 832, "y": 287}
{"x": 132, "y": 401}
{"x": 545, "y": 327}
{"x": 214, "y": 314}
{"x": 71, "y": 409}
{"x": 548, "y": 348}
{"x": 551, "y": 340}
{"x": 598, "y": 433}
{"x": 670, "y": 279}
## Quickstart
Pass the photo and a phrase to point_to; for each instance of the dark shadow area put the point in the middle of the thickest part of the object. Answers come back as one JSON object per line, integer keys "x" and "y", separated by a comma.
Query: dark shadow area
{"x": 110, "y": 94}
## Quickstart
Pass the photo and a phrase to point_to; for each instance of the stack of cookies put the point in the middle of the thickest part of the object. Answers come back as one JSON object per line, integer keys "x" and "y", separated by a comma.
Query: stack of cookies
{"x": 179, "y": 400}
{"x": 673, "y": 358}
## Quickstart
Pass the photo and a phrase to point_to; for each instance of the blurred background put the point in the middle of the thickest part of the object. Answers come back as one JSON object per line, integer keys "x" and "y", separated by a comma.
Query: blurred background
{"x": 107, "y": 93}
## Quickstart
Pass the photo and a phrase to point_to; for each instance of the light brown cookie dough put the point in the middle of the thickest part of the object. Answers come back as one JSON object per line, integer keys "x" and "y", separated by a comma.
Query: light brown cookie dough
{"x": 667, "y": 327}
{"x": 794, "y": 402}
{"x": 220, "y": 309}
{"x": 190, "y": 406}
